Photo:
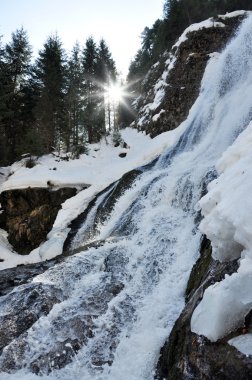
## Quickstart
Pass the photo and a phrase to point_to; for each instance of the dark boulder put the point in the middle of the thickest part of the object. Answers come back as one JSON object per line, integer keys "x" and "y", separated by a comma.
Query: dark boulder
{"x": 28, "y": 215}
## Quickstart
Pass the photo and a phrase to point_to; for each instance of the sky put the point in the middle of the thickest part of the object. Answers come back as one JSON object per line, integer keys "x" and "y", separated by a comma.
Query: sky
{"x": 119, "y": 22}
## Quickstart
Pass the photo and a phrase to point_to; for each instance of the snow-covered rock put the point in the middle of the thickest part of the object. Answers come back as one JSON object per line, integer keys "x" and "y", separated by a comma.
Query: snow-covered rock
{"x": 95, "y": 171}
{"x": 227, "y": 210}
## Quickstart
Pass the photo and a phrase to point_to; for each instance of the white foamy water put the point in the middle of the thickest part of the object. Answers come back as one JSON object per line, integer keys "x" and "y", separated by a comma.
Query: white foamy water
{"x": 125, "y": 296}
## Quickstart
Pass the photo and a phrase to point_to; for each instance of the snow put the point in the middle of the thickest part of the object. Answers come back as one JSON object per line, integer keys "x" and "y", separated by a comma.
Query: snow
{"x": 4, "y": 172}
{"x": 157, "y": 116}
{"x": 242, "y": 343}
{"x": 158, "y": 93}
{"x": 227, "y": 222}
{"x": 234, "y": 14}
{"x": 97, "y": 170}
{"x": 209, "y": 23}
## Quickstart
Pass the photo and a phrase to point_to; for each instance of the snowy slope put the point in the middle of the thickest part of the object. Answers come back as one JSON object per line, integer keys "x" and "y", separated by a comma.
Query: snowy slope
{"x": 101, "y": 167}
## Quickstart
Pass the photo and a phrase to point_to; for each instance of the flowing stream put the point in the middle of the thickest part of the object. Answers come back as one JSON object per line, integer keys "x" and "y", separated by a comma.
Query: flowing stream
{"x": 116, "y": 304}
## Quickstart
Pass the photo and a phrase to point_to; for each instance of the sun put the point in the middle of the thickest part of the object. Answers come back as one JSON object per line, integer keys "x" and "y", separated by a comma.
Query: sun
{"x": 115, "y": 93}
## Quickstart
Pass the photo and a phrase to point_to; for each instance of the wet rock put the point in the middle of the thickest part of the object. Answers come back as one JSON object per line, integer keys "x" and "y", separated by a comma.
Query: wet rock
{"x": 23, "y": 274}
{"x": 63, "y": 352}
{"x": 186, "y": 355}
{"x": 29, "y": 215}
{"x": 23, "y": 307}
{"x": 115, "y": 190}
{"x": 109, "y": 202}
{"x": 27, "y": 307}
{"x": 62, "y": 356}
{"x": 122, "y": 155}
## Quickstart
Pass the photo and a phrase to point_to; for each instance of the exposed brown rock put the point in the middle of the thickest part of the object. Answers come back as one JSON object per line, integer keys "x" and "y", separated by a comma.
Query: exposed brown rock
{"x": 183, "y": 82}
{"x": 29, "y": 215}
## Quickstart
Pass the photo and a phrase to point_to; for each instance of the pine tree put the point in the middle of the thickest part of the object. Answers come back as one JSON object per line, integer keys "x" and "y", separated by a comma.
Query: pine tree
{"x": 91, "y": 90}
{"x": 99, "y": 73}
{"x": 106, "y": 70}
{"x": 51, "y": 80}
{"x": 74, "y": 102}
{"x": 3, "y": 107}
{"x": 106, "y": 75}
{"x": 15, "y": 101}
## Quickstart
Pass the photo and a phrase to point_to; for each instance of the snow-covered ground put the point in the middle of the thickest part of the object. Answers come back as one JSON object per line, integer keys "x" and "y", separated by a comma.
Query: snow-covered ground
{"x": 209, "y": 23}
{"x": 206, "y": 24}
{"x": 101, "y": 167}
{"x": 227, "y": 210}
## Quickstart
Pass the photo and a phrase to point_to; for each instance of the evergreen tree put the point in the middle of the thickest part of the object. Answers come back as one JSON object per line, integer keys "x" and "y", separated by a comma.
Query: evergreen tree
{"x": 91, "y": 90}
{"x": 106, "y": 70}
{"x": 178, "y": 15}
{"x": 74, "y": 102}
{"x": 15, "y": 101}
{"x": 106, "y": 75}
{"x": 3, "y": 107}
{"x": 51, "y": 81}
{"x": 99, "y": 73}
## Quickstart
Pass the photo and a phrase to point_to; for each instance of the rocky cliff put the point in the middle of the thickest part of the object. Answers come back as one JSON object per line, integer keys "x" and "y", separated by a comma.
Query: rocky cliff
{"x": 172, "y": 85}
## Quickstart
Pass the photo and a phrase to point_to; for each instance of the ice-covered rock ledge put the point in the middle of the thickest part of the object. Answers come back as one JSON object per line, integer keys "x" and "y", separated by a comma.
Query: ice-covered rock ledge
{"x": 227, "y": 210}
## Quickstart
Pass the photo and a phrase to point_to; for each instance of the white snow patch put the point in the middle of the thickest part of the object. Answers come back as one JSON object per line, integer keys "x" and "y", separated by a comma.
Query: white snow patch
{"x": 157, "y": 116}
{"x": 209, "y": 23}
{"x": 158, "y": 92}
{"x": 242, "y": 343}
{"x": 223, "y": 307}
{"x": 159, "y": 96}
{"x": 234, "y": 14}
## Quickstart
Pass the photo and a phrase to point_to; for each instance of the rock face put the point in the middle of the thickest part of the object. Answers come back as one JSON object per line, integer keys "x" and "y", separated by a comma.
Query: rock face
{"x": 104, "y": 208}
{"x": 181, "y": 86}
{"x": 186, "y": 355}
{"x": 29, "y": 215}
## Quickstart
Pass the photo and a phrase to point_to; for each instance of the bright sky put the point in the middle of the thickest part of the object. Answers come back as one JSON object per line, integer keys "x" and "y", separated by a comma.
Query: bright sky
{"x": 119, "y": 22}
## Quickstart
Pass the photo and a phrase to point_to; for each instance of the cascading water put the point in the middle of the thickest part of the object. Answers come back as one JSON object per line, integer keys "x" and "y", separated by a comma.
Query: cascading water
{"x": 117, "y": 304}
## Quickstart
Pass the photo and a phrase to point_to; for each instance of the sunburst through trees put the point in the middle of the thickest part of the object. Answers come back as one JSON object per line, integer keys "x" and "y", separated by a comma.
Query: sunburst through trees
{"x": 60, "y": 102}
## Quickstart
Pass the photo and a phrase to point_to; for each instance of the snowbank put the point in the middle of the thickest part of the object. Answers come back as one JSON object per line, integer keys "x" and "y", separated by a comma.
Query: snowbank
{"x": 227, "y": 210}
{"x": 99, "y": 169}
{"x": 209, "y": 23}
{"x": 243, "y": 343}
{"x": 234, "y": 14}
